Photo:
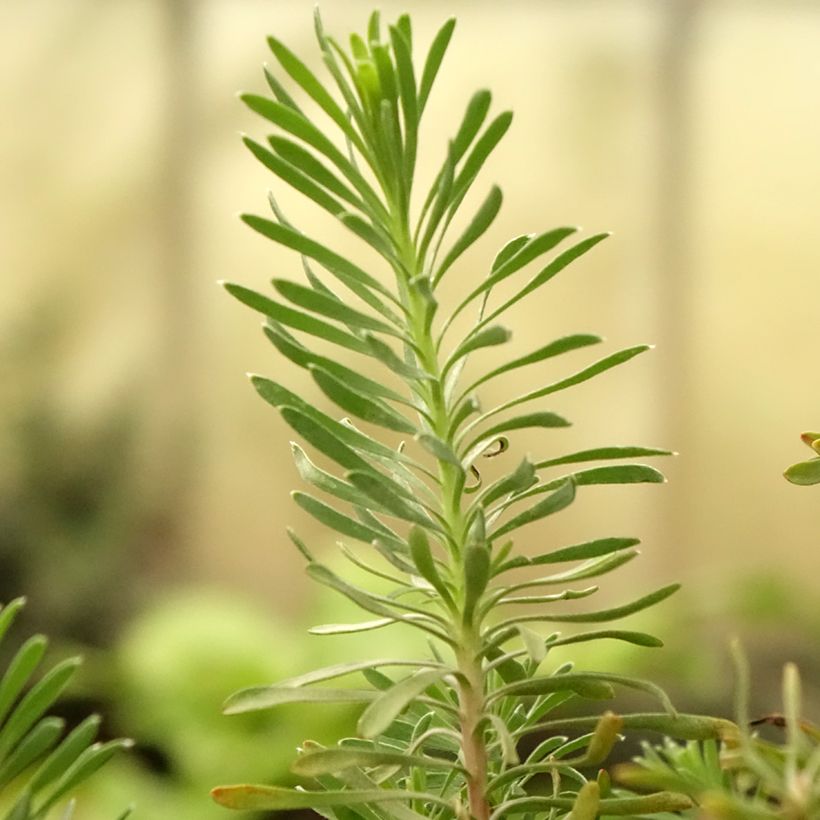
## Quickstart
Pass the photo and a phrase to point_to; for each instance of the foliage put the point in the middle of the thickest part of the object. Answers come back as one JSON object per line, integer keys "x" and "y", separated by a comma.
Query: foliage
{"x": 444, "y": 740}
{"x": 40, "y": 765}
{"x": 749, "y": 778}
{"x": 806, "y": 472}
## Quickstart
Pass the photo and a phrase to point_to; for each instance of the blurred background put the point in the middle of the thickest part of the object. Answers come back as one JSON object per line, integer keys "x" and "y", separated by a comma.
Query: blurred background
{"x": 143, "y": 486}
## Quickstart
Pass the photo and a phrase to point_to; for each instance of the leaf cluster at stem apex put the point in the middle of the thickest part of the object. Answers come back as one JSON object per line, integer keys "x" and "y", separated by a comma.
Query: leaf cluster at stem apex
{"x": 393, "y": 462}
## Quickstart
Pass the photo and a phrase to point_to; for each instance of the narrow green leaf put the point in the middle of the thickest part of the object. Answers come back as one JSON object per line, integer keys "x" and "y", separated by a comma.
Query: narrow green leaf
{"x": 535, "y": 247}
{"x": 543, "y": 420}
{"x": 589, "y": 569}
{"x": 324, "y": 481}
{"x": 342, "y": 669}
{"x": 478, "y": 156}
{"x": 609, "y": 806}
{"x": 296, "y": 124}
{"x": 378, "y": 605}
{"x": 602, "y": 453}
{"x": 379, "y": 714}
{"x": 609, "y": 474}
{"x": 40, "y": 740}
{"x": 433, "y": 61}
{"x": 294, "y": 177}
{"x": 281, "y": 397}
{"x": 35, "y": 703}
{"x": 522, "y": 478}
{"x": 8, "y": 613}
{"x": 440, "y": 449}
{"x": 409, "y": 101}
{"x": 63, "y": 757}
{"x": 374, "y": 237}
{"x": 315, "y": 90}
{"x": 271, "y": 798}
{"x": 311, "y": 166}
{"x": 580, "y": 552}
{"x": 20, "y": 669}
{"x": 352, "y": 276}
{"x": 563, "y": 345}
{"x": 601, "y": 366}
{"x": 90, "y": 761}
{"x": 509, "y": 250}
{"x": 561, "y": 498}
{"x": 636, "y": 638}
{"x": 504, "y": 663}
{"x": 424, "y": 562}
{"x": 489, "y": 337}
{"x": 376, "y": 489}
{"x": 337, "y": 521}
{"x": 471, "y": 122}
{"x": 280, "y": 92}
{"x": 388, "y": 357}
{"x": 259, "y": 698}
{"x": 547, "y": 273}
{"x": 332, "y": 761}
{"x": 325, "y": 442}
{"x": 476, "y": 576}
{"x": 350, "y": 629}
{"x": 372, "y": 410}
{"x": 584, "y": 685}
{"x": 296, "y": 319}
{"x": 605, "y": 614}
{"x": 301, "y": 356}
{"x": 484, "y": 217}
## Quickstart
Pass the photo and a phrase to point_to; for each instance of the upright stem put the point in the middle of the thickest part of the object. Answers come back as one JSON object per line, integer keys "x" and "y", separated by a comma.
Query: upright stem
{"x": 471, "y": 686}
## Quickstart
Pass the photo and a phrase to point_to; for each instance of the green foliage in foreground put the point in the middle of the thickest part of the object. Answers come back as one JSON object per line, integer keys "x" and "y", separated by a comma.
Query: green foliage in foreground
{"x": 749, "y": 778}
{"x": 806, "y": 472}
{"x": 41, "y": 765}
{"x": 441, "y": 736}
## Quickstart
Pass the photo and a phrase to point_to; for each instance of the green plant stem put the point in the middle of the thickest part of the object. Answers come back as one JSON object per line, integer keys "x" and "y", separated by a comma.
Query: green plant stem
{"x": 471, "y": 688}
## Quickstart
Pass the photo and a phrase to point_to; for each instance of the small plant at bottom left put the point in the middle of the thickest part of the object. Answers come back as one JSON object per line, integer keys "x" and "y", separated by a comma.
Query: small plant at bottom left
{"x": 41, "y": 765}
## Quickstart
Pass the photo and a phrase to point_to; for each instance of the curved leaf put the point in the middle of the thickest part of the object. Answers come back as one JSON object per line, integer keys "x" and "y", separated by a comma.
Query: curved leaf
{"x": 433, "y": 62}
{"x": 332, "y": 761}
{"x": 372, "y": 410}
{"x": 484, "y": 217}
{"x": 378, "y": 716}
{"x": 560, "y": 499}
{"x": 331, "y": 308}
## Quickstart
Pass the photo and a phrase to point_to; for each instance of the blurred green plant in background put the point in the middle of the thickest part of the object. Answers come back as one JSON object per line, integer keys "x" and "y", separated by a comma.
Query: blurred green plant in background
{"x": 745, "y": 777}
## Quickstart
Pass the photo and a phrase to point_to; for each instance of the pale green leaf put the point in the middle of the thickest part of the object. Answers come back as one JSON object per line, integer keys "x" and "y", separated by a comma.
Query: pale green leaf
{"x": 433, "y": 62}
{"x": 372, "y": 410}
{"x": 332, "y": 761}
{"x": 560, "y": 499}
{"x": 296, "y": 319}
{"x": 484, "y": 217}
{"x": 379, "y": 714}
{"x": 273, "y": 798}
